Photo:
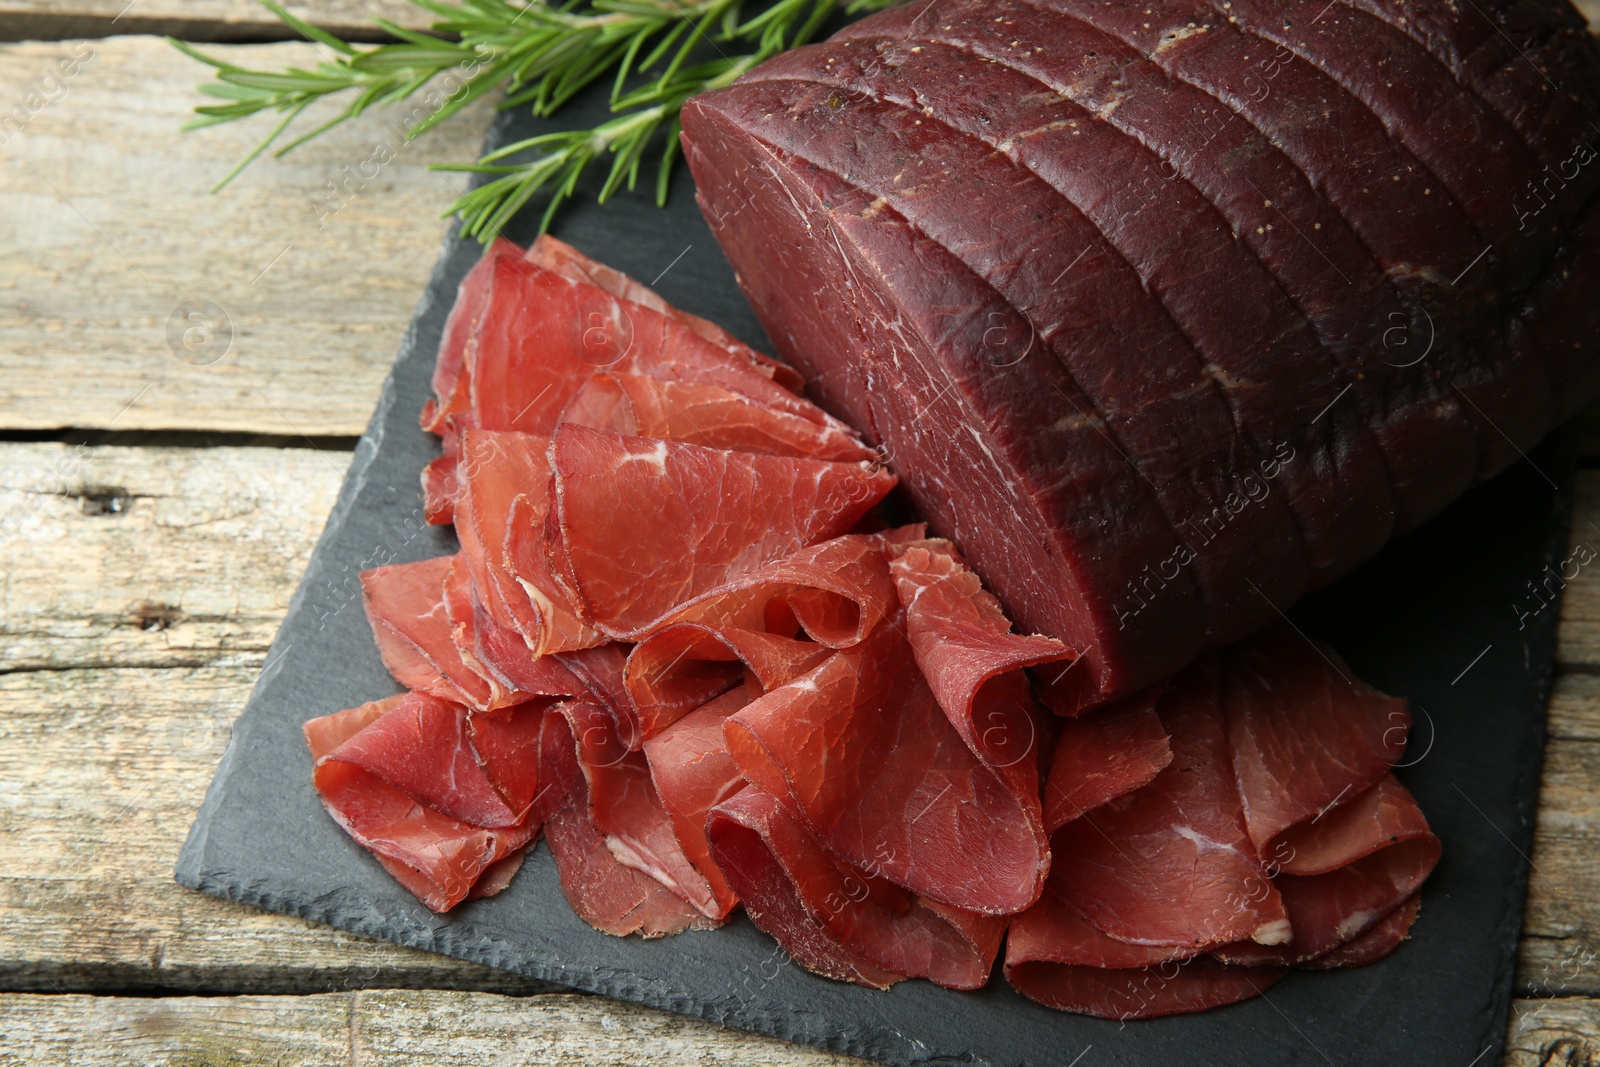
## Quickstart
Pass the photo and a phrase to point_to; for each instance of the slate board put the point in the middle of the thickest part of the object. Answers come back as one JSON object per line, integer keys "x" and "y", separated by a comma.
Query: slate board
{"x": 1434, "y": 619}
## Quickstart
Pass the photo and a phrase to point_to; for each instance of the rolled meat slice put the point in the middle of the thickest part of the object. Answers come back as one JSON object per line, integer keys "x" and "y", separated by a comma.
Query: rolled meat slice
{"x": 837, "y": 919}
{"x": 399, "y": 775}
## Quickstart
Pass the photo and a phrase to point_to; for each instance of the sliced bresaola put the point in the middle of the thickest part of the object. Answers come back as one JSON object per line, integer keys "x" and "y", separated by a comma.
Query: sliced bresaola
{"x": 712, "y": 516}
{"x": 1352, "y": 868}
{"x": 1104, "y": 755}
{"x": 405, "y": 603}
{"x": 563, "y": 259}
{"x": 1171, "y": 863}
{"x": 502, "y": 507}
{"x": 862, "y": 751}
{"x": 963, "y": 644}
{"x": 776, "y": 622}
{"x": 451, "y": 395}
{"x": 625, "y": 807}
{"x": 542, "y": 335}
{"x": 1305, "y": 733}
{"x": 709, "y": 415}
{"x": 606, "y": 893}
{"x": 1376, "y": 944}
{"x": 693, "y": 771}
{"x": 837, "y": 919}
{"x": 1055, "y": 957}
{"x": 439, "y": 858}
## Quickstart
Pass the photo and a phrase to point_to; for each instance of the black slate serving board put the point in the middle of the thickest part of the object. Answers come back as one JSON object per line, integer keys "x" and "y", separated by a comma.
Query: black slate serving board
{"x": 1442, "y": 617}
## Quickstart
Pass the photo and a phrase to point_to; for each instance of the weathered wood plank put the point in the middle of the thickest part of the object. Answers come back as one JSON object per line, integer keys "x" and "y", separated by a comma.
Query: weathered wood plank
{"x": 375, "y": 1027}
{"x": 137, "y": 557}
{"x": 100, "y": 775}
{"x": 198, "y": 20}
{"x": 1554, "y": 1033}
{"x": 304, "y": 272}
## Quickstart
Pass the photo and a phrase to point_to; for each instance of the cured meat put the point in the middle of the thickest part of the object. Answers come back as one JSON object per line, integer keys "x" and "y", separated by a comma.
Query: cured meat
{"x": 714, "y": 516}
{"x": 1056, "y": 958}
{"x": 836, "y": 919}
{"x": 693, "y": 771}
{"x": 662, "y": 644}
{"x": 625, "y": 807}
{"x": 1339, "y": 324}
{"x": 383, "y": 775}
{"x": 1304, "y": 733}
{"x": 1103, "y": 756}
{"x": 405, "y": 603}
{"x": 708, "y": 415}
{"x": 562, "y": 258}
{"x": 832, "y": 594}
{"x": 1171, "y": 864}
{"x": 606, "y": 893}
{"x": 861, "y": 750}
{"x": 502, "y": 505}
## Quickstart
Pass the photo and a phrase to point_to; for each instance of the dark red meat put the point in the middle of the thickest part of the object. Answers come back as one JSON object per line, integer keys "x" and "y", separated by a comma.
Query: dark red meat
{"x": 836, "y": 918}
{"x": 1169, "y": 314}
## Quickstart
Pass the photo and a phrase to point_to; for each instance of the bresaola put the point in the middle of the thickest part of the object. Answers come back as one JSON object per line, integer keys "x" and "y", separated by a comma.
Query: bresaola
{"x": 1168, "y": 313}
{"x": 679, "y": 642}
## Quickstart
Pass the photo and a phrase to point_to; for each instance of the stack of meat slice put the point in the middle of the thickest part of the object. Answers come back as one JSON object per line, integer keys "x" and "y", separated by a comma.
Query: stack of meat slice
{"x": 679, "y": 641}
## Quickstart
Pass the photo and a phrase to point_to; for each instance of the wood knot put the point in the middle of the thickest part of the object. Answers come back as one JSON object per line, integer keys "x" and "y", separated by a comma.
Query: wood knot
{"x": 104, "y": 499}
{"x": 153, "y": 618}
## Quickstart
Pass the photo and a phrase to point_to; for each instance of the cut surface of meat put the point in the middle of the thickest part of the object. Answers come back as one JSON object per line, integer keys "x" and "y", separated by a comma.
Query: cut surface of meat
{"x": 405, "y": 603}
{"x": 931, "y": 187}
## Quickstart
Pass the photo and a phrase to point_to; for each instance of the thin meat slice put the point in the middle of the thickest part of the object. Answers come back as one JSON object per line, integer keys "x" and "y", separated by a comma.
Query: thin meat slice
{"x": 502, "y": 507}
{"x": 1056, "y": 958}
{"x": 625, "y": 807}
{"x": 422, "y": 747}
{"x": 543, "y": 335}
{"x": 964, "y": 647}
{"x": 835, "y": 918}
{"x": 693, "y": 771}
{"x": 1171, "y": 864}
{"x": 830, "y": 594}
{"x": 1104, "y": 755}
{"x": 861, "y": 750}
{"x": 606, "y": 893}
{"x": 562, "y": 258}
{"x": 1304, "y": 732}
{"x": 713, "y": 516}
{"x": 365, "y": 759}
{"x": 451, "y": 395}
{"x": 1377, "y": 943}
{"x": 1347, "y": 871}
{"x": 462, "y": 613}
{"x": 708, "y": 415}
{"x": 405, "y": 604}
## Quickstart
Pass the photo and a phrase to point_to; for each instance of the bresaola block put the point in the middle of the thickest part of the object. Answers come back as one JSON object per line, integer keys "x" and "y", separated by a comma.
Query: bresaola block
{"x": 1168, "y": 316}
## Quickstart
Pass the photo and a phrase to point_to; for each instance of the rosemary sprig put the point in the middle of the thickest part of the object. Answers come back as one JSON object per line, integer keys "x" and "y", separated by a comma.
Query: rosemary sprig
{"x": 544, "y": 52}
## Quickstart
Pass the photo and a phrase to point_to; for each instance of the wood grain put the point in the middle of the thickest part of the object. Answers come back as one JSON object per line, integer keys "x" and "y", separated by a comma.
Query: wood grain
{"x": 316, "y": 260}
{"x": 151, "y": 557}
{"x": 198, "y": 20}
{"x": 372, "y": 1028}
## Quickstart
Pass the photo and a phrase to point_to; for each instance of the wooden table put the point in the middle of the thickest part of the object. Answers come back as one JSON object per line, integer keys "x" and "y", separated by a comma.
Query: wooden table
{"x": 156, "y": 514}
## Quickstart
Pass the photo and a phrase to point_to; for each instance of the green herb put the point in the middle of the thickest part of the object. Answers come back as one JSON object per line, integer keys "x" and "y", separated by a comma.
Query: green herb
{"x": 658, "y": 54}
